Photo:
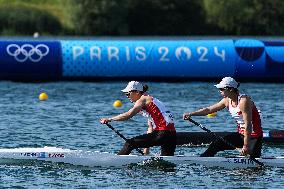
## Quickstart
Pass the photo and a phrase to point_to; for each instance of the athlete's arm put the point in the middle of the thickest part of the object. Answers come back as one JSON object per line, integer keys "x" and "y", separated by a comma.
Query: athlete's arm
{"x": 246, "y": 109}
{"x": 208, "y": 110}
{"x": 139, "y": 104}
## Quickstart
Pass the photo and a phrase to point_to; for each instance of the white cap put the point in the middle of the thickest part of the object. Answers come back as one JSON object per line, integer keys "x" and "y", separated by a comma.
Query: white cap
{"x": 227, "y": 82}
{"x": 133, "y": 86}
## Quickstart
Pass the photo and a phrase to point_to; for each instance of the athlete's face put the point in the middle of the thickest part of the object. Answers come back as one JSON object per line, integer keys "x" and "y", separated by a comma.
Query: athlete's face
{"x": 224, "y": 91}
{"x": 133, "y": 96}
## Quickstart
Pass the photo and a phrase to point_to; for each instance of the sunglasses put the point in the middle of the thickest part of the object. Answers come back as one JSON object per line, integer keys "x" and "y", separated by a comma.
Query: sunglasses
{"x": 128, "y": 93}
{"x": 224, "y": 89}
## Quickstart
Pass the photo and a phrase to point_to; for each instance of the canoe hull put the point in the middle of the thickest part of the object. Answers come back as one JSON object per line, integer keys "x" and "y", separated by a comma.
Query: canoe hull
{"x": 99, "y": 159}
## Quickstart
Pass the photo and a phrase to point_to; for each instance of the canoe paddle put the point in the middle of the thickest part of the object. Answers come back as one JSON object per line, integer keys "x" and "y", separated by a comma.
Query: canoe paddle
{"x": 222, "y": 139}
{"x": 121, "y": 136}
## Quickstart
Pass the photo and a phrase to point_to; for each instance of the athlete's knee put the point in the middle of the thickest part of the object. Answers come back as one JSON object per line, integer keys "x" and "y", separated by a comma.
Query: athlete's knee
{"x": 127, "y": 144}
{"x": 126, "y": 149}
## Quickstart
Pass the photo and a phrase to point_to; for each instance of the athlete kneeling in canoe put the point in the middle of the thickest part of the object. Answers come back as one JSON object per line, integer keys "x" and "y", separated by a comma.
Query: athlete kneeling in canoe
{"x": 243, "y": 110}
{"x": 163, "y": 134}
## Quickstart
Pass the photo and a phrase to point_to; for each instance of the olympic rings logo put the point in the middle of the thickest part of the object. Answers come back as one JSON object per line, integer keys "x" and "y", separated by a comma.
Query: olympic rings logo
{"x": 27, "y": 51}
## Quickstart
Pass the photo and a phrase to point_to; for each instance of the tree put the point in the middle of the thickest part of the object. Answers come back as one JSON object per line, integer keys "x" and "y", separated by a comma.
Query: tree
{"x": 242, "y": 17}
{"x": 166, "y": 17}
{"x": 24, "y": 20}
{"x": 101, "y": 17}
{"x": 133, "y": 17}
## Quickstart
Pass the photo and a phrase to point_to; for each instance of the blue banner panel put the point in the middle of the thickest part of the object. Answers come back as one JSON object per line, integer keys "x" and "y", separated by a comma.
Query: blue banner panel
{"x": 259, "y": 59}
{"x": 274, "y": 58}
{"x": 148, "y": 58}
{"x": 250, "y": 59}
{"x": 30, "y": 59}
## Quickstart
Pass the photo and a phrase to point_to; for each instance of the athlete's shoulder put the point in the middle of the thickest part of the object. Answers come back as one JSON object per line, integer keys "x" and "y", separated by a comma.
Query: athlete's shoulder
{"x": 146, "y": 96}
{"x": 244, "y": 98}
{"x": 224, "y": 101}
{"x": 145, "y": 99}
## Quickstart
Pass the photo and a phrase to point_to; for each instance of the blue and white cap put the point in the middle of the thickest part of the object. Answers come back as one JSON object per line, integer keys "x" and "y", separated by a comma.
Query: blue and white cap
{"x": 133, "y": 86}
{"x": 227, "y": 82}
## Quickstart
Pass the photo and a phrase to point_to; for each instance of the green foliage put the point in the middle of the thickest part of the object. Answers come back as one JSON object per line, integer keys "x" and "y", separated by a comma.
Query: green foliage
{"x": 167, "y": 17}
{"x": 62, "y": 10}
{"x": 23, "y": 20}
{"x": 142, "y": 17}
{"x": 97, "y": 17}
{"x": 6, "y": 2}
{"x": 243, "y": 17}
{"x": 147, "y": 17}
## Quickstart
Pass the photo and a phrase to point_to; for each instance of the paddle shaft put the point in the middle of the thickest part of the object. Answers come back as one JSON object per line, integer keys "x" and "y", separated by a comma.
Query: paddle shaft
{"x": 126, "y": 140}
{"x": 222, "y": 139}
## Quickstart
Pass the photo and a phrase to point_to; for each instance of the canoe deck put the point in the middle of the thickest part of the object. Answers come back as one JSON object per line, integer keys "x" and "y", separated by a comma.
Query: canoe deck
{"x": 273, "y": 137}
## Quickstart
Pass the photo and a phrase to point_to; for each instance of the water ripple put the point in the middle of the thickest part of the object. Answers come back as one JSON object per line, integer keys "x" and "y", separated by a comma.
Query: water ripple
{"x": 70, "y": 119}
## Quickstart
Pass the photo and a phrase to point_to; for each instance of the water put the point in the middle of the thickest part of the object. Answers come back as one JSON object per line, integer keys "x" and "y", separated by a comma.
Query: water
{"x": 70, "y": 119}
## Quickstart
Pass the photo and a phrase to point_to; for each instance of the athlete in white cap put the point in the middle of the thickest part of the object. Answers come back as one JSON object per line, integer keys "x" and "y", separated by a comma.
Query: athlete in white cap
{"x": 163, "y": 134}
{"x": 244, "y": 111}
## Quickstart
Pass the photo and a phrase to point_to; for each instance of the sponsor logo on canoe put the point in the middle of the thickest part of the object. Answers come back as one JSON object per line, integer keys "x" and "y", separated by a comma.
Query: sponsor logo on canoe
{"x": 243, "y": 161}
{"x": 43, "y": 155}
{"x": 35, "y": 154}
{"x": 56, "y": 155}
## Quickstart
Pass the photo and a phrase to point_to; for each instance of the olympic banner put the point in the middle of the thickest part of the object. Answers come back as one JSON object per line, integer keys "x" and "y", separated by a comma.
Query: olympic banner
{"x": 30, "y": 60}
{"x": 148, "y": 58}
{"x": 241, "y": 58}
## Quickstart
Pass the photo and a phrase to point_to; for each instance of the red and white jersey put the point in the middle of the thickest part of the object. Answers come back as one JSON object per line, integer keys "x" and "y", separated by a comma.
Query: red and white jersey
{"x": 237, "y": 115}
{"x": 159, "y": 115}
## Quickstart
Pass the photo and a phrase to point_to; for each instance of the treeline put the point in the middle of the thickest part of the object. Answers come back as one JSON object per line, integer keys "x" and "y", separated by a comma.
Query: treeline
{"x": 142, "y": 17}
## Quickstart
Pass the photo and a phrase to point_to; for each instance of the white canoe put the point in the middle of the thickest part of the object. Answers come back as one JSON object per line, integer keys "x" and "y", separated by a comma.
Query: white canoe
{"x": 100, "y": 159}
